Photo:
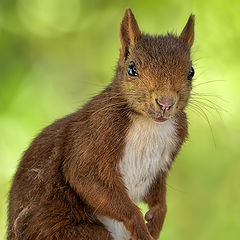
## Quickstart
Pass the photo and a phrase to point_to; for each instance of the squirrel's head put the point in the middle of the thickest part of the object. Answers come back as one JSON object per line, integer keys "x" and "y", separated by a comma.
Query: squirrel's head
{"x": 155, "y": 71}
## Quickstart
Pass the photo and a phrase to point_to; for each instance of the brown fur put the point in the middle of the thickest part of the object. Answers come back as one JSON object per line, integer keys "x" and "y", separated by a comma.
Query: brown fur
{"x": 70, "y": 172}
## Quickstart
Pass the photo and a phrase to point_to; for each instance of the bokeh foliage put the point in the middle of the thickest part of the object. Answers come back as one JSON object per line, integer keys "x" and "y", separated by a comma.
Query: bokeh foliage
{"x": 56, "y": 54}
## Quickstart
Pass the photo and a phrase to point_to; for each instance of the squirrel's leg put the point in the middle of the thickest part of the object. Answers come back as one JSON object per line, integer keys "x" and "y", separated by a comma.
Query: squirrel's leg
{"x": 156, "y": 200}
{"x": 82, "y": 232}
{"x": 109, "y": 198}
{"x": 44, "y": 224}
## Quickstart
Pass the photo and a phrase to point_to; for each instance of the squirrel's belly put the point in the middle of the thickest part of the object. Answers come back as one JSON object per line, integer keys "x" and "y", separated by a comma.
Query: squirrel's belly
{"x": 147, "y": 152}
{"x": 117, "y": 229}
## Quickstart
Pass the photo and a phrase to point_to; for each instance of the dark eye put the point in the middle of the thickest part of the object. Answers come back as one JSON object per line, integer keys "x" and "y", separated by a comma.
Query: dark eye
{"x": 132, "y": 70}
{"x": 191, "y": 73}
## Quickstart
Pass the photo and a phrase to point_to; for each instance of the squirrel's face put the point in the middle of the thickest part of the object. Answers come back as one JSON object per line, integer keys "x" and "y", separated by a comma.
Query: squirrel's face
{"x": 156, "y": 71}
{"x": 157, "y": 76}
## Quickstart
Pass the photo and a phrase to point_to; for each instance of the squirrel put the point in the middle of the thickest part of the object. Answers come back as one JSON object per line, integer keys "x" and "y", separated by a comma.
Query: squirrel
{"x": 83, "y": 176}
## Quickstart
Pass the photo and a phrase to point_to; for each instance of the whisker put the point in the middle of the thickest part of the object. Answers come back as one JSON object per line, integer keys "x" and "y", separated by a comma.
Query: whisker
{"x": 208, "y": 104}
{"x": 206, "y": 95}
{"x": 212, "y": 81}
{"x": 205, "y": 117}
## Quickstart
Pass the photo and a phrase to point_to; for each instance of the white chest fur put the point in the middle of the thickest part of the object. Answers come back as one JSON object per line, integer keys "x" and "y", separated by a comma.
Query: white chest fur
{"x": 148, "y": 148}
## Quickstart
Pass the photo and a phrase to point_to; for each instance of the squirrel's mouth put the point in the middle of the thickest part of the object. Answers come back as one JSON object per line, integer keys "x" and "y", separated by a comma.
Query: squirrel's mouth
{"x": 160, "y": 119}
{"x": 160, "y": 116}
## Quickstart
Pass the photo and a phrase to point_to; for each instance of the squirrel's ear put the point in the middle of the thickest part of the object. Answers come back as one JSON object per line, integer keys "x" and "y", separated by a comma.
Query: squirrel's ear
{"x": 187, "y": 35}
{"x": 129, "y": 31}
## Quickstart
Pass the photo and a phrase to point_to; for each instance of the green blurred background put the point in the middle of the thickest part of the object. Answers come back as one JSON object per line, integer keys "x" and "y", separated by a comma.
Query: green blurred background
{"x": 56, "y": 54}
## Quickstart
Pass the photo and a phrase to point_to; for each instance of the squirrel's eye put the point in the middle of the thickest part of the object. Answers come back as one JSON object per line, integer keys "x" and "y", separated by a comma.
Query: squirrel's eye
{"x": 191, "y": 73}
{"x": 132, "y": 70}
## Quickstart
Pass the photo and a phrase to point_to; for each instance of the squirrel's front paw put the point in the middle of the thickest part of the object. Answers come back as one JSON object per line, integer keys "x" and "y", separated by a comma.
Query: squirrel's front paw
{"x": 142, "y": 235}
{"x": 155, "y": 217}
{"x": 137, "y": 227}
{"x": 142, "y": 238}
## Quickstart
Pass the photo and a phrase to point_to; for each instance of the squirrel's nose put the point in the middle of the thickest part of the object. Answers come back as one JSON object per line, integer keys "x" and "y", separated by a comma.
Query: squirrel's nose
{"x": 165, "y": 103}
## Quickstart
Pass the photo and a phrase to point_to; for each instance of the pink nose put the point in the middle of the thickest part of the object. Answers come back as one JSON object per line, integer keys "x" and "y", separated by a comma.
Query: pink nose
{"x": 165, "y": 104}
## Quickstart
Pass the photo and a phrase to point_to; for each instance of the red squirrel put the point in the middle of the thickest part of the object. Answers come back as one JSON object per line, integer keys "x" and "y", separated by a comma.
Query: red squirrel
{"x": 83, "y": 176}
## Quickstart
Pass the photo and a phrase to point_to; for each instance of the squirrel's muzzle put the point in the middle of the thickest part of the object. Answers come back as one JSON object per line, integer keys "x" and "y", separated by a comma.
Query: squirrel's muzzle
{"x": 165, "y": 103}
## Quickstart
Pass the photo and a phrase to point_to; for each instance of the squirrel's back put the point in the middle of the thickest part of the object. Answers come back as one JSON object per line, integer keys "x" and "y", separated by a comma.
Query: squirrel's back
{"x": 43, "y": 174}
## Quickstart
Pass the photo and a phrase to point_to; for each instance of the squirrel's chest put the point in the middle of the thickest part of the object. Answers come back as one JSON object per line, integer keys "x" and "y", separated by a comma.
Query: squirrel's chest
{"x": 148, "y": 150}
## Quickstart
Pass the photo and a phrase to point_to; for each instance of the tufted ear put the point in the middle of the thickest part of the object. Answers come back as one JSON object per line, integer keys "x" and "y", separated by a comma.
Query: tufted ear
{"x": 187, "y": 35}
{"x": 129, "y": 32}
